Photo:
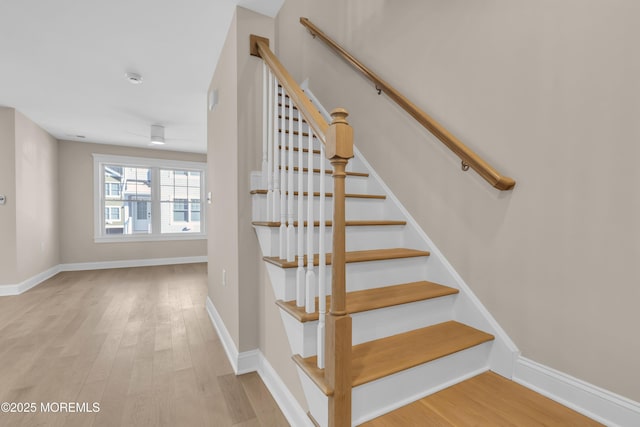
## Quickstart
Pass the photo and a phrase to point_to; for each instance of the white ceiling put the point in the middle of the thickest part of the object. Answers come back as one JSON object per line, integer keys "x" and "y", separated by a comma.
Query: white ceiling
{"x": 62, "y": 64}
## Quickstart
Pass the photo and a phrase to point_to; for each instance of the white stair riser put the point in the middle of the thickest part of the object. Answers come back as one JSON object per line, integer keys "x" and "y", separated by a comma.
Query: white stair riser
{"x": 305, "y": 125}
{"x": 353, "y": 184}
{"x": 302, "y": 336}
{"x": 373, "y": 324}
{"x": 356, "y": 208}
{"x": 316, "y": 145}
{"x": 378, "y": 397}
{"x": 386, "y": 394}
{"x": 352, "y": 166}
{"x": 359, "y": 275}
{"x": 357, "y": 238}
{"x": 305, "y": 161}
{"x": 317, "y": 401}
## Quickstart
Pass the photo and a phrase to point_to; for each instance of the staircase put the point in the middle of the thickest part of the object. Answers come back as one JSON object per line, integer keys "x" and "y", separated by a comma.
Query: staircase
{"x": 416, "y": 327}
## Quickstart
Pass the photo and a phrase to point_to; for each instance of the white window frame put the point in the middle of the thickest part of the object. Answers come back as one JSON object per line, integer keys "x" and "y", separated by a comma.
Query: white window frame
{"x": 111, "y": 209}
{"x": 100, "y": 160}
{"x": 111, "y": 193}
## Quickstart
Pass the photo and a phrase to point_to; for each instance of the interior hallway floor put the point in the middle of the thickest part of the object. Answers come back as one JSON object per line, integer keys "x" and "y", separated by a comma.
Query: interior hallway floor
{"x": 137, "y": 341}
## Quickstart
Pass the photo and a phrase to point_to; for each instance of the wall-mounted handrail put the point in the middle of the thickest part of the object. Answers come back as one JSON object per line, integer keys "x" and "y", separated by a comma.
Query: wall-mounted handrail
{"x": 467, "y": 155}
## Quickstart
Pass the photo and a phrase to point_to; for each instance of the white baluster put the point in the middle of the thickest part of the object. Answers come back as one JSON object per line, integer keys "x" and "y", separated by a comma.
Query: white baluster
{"x": 271, "y": 112}
{"x": 322, "y": 266}
{"x": 291, "y": 231}
{"x": 310, "y": 305}
{"x": 300, "y": 280}
{"x": 265, "y": 125}
{"x": 276, "y": 158}
{"x": 283, "y": 180}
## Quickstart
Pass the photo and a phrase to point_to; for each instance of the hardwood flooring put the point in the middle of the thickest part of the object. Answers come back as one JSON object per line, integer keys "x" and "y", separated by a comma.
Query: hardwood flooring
{"x": 137, "y": 341}
{"x": 485, "y": 400}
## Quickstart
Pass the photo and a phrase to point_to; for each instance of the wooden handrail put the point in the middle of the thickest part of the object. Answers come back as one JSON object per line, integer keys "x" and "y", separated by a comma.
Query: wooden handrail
{"x": 468, "y": 156}
{"x": 260, "y": 47}
{"x": 337, "y": 138}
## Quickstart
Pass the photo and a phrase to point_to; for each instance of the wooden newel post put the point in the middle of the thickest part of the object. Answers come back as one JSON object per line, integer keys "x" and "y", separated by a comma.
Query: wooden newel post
{"x": 339, "y": 149}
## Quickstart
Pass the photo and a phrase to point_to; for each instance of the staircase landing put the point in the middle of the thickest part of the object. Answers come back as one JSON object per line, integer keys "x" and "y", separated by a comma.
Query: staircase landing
{"x": 485, "y": 400}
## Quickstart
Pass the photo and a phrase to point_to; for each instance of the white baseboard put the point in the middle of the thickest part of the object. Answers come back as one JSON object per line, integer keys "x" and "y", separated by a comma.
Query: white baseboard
{"x": 597, "y": 403}
{"x": 288, "y": 404}
{"x": 24, "y": 286}
{"x": 227, "y": 342}
{"x": 254, "y": 361}
{"x": 101, "y": 265}
{"x": 7, "y": 290}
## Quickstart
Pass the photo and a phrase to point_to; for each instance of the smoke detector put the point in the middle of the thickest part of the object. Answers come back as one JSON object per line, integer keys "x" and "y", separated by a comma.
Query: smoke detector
{"x": 133, "y": 78}
{"x": 157, "y": 135}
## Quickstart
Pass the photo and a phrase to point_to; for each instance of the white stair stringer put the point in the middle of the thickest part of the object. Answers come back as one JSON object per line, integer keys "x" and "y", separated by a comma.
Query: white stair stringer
{"x": 386, "y": 394}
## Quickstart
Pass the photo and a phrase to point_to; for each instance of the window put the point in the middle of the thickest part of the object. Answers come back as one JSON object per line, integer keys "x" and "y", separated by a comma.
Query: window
{"x": 112, "y": 213}
{"x": 112, "y": 189}
{"x": 180, "y": 210}
{"x": 180, "y": 198}
{"x": 147, "y": 199}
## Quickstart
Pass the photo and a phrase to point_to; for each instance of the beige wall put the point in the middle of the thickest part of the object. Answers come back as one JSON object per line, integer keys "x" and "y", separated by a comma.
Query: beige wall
{"x": 8, "y": 258}
{"x": 76, "y": 208}
{"x": 246, "y": 304}
{"x": 222, "y": 178}
{"x": 29, "y": 179}
{"x": 36, "y": 166}
{"x": 548, "y": 92}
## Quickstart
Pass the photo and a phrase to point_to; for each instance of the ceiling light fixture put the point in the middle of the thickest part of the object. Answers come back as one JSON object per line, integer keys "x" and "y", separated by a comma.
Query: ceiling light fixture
{"x": 133, "y": 78}
{"x": 157, "y": 135}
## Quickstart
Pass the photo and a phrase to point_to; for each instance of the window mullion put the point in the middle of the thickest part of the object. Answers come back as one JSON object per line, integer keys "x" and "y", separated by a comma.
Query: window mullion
{"x": 203, "y": 222}
{"x": 155, "y": 201}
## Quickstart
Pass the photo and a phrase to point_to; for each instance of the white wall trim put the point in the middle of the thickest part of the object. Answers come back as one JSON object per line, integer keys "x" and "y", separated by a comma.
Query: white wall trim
{"x": 248, "y": 361}
{"x": 7, "y": 290}
{"x": 32, "y": 282}
{"x": 101, "y": 265}
{"x": 227, "y": 342}
{"x": 254, "y": 361}
{"x": 602, "y": 405}
{"x": 288, "y": 404}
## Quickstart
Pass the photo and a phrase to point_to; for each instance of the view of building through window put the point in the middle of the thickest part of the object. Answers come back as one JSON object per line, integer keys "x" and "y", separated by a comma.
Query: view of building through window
{"x": 129, "y": 198}
{"x": 180, "y": 201}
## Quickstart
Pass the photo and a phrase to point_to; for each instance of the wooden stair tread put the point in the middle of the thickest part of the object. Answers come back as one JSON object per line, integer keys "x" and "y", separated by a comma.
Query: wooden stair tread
{"x": 386, "y": 356}
{"x": 286, "y": 106}
{"x": 295, "y": 119}
{"x": 372, "y": 299}
{"x": 327, "y": 171}
{"x": 306, "y": 150}
{"x": 317, "y": 194}
{"x": 360, "y": 223}
{"x": 354, "y": 256}
{"x": 486, "y": 399}
{"x": 295, "y": 132}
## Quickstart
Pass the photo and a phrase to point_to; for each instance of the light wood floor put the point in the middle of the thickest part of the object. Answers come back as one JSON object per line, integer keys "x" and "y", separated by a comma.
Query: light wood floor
{"x": 138, "y": 341}
{"x": 485, "y": 400}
